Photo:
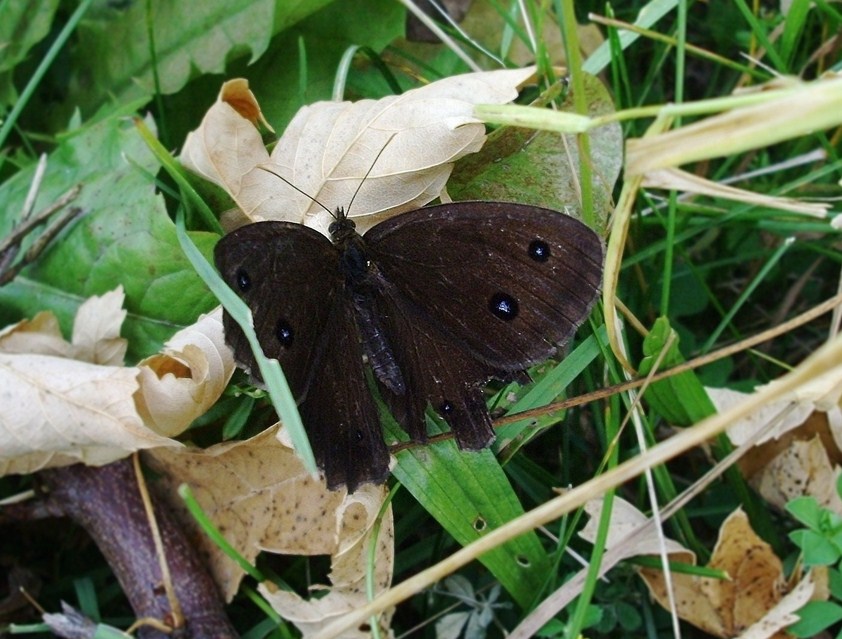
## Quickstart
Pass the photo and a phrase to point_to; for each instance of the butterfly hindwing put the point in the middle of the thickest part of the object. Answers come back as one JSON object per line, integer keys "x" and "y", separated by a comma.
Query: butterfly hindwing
{"x": 508, "y": 281}
{"x": 339, "y": 412}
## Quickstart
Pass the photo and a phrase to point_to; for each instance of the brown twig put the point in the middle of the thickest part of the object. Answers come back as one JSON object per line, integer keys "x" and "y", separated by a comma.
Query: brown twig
{"x": 106, "y": 501}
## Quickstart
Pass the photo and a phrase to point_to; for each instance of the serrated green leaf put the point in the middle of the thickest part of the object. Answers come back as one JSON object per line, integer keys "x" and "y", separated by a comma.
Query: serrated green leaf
{"x": 681, "y": 399}
{"x": 124, "y": 237}
{"x": 191, "y": 39}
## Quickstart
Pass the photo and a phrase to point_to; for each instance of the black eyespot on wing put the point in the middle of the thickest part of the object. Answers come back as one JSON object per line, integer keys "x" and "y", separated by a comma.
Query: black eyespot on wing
{"x": 284, "y": 333}
{"x": 243, "y": 280}
{"x": 539, "y": 250}
{"x": 503, "y": 306}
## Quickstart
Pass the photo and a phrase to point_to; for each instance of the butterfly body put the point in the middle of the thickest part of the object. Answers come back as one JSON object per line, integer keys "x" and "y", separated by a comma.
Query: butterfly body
{"x": 438, "y": 300}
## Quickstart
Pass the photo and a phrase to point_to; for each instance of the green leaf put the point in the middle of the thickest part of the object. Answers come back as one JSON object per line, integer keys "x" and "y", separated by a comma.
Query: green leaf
{"x": 681, "y": 399}
{"x": 469, "y": 495}
{"x": 816, "y": 549}
{"x": 22, "y": 26}
{"x": 807, "y": 511}
{"x": 124, "y": 237}
{"x": 191, "y": 39}
{"x": 815, "y": 617}
{"x": 548, "y": 388}
{"x": 542, "y": 167}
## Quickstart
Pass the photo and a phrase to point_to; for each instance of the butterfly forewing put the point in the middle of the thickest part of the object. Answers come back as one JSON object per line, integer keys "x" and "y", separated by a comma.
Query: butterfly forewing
{"x": 280, "y": 269}
{"x": 508, "y": 281}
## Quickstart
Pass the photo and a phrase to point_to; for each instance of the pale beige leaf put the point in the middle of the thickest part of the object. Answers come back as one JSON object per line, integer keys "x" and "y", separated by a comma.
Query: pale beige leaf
{"x": 185, "y": 380}
{"x": 676, "y": 179}
{"x": 347, "y": 576}
{"x": 784, "y": 415}
{"x": 58, "y": 411}
{"x": 258, "y": 493}
{"x": 330, "y": 146}
{"x": 227, "y": 146}
{"x": 96, "y": 329}
{"x": 41, "y": 335}
{"x": 726, "y": 608}
{"x": 625, "y": 519}
{"x": 804, "y": 468}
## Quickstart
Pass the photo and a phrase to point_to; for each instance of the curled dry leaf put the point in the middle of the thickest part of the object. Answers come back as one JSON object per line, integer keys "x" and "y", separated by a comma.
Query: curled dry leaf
{"x": 69, "y": 402}
{"x": 625, "y": 519}
{"x": 329, "y": 147}
{"x": 727, "y": 607}
{"x": 259, "y": 495}
{"x": 676, "y": 179}
{"x": 186, "y": 378}
{"x": 753, "y": 600}
{"x": 800, "y": 453}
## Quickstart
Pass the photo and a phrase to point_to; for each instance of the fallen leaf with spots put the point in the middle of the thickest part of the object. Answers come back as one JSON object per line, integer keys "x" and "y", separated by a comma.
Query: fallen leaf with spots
{"x": 261, "y": 498}
{"x": 799, "y": 453}
{"x": 754, "y": 601}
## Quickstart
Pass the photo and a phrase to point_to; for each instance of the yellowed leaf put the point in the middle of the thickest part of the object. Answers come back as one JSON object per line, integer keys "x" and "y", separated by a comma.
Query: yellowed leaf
{"x": 347, "y": 576}
{"x": 59, "y": 411}
{"x": 185, "y": 380}
{"x": 798, "y": 454}
{"x": 258, "y": 493}
{"x": 803, "y": 468}
{"x": 726, "y": 608}
{"x": 329, "y": 147}
{"x": 783, "y": 614}
{"x": 676, "y": 179}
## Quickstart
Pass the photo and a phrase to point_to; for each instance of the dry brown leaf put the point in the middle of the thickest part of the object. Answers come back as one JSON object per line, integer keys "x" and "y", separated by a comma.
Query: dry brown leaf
{"x": 799, "y": 454}
{"x": 347, "y": 576}
{"x": 69, "y": 402}
{"x": 678, "y": 180}
{"x": 803, "y": 468}
{"x": 96, "y": 330}
{"x": 726, "y": 608}
{"x": 41, "y": 335}
{"x": 752, "y": 600}
{"x": 186, "y": 378}
{"x": 59, "y": 410}
{"x": 330, "y": 146}
{"x": 258, "y": 493}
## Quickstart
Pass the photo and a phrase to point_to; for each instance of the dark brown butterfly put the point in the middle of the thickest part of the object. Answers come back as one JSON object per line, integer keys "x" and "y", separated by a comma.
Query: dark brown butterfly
{"x": 439, "y": 300}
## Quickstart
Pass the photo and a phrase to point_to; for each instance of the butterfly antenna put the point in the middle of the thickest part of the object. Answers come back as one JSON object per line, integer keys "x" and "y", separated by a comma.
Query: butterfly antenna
{"x": 370, "y": 169}
{"x": 307, "y": 195}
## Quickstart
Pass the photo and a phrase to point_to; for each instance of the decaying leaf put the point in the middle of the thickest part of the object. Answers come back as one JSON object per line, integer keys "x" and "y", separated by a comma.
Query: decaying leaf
{"x": 726, "y": 608}
{"x": 756, "y": 600}
{"x": 186, "y": 378}
{"x": 676, "y": 179}
{"x": 258, "y": 493}
{"x": 800, "y": 453}
{"x": 68, "y": 402}
{"x": 329, "y": 147}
